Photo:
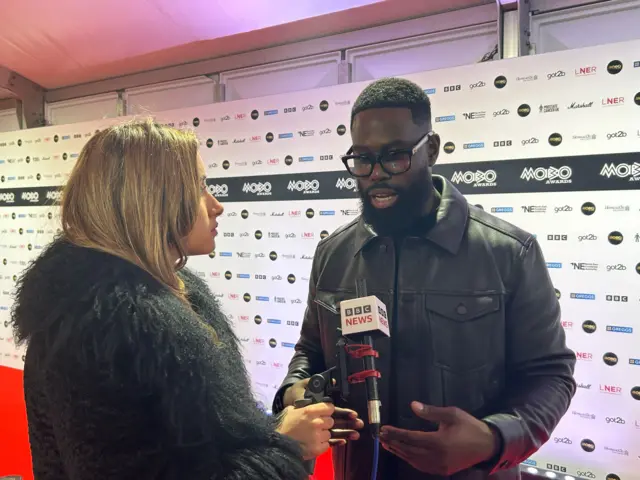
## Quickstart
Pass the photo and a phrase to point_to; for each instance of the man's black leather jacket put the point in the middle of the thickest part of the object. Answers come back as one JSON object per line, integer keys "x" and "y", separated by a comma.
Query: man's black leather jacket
{"x": 478, "y": 327}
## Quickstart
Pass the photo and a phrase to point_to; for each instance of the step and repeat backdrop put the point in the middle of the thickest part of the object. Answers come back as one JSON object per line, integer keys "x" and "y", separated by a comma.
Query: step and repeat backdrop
{"x": 547, "y": 142}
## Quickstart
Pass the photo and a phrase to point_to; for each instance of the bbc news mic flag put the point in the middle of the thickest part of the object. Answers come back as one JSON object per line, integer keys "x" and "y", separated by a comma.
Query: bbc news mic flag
{"x": 364, "y": 316}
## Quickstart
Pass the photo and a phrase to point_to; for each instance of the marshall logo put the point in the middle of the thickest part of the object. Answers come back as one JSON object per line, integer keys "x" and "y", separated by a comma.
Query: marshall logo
{"x": 478, "y": 179}
{"x": 549, "y": 175}
{"x": 577, "y": 105}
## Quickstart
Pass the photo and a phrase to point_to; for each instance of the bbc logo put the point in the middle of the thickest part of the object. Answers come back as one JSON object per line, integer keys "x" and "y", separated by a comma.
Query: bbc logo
{"x": 557, "y": 238}
{"x": 617, "y": 298}
{"x": 358, "y": 310}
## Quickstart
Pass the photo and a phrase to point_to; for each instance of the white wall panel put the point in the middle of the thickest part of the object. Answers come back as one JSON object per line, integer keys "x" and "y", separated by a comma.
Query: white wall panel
{"x": 9, "y": 120}
{"x": 584, "y": 26}
{"x": 169, "y": 96}
{"x": 427, "y": 52}
{"x": 83, "y": 109}
{"x": 282, "y": 77}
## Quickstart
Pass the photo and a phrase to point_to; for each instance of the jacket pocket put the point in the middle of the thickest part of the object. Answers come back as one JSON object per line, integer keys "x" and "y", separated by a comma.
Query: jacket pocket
{"x": 328, "y": 311}
{"x": 464, "y": 329}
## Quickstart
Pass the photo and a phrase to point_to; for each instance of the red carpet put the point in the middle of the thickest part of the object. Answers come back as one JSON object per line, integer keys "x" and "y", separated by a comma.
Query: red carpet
{"x": 15, "y": 458}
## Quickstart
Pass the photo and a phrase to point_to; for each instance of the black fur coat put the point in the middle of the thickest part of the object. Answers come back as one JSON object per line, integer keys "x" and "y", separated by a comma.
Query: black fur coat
{"x": 124, "y": 382}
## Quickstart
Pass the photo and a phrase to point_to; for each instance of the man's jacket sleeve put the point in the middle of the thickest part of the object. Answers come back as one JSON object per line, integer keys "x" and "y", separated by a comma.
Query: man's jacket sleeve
{"x": 539, "y": 383}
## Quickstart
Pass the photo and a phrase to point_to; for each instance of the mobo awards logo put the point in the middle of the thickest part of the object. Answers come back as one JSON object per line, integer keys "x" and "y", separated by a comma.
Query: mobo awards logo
{"x": 244, "y": 214}
{"x": 310, "y": 213}
{"x": 449, "y": 147}
{"x": 614, "y": 67}
{"x": 269, "y": 137}
{"x": 588, "y": 445}
{"x": 255, "y": 114}
{"x": 246, "y": 297}
{"x": 258, "y": 235}
{"x": 257, "y": 319}
{"x": 615, "y": 238}
{"x": 209, "y": 142}
{"x": 273, "y": 256}
{"x": 589, "y": 326}
{"x": 500, "y": 81}
{"x": 524, "y": 110}
{"x": 555, "y": 139}
{"x": 226, "y": 164}
{"x": 588, "y": 208}
{"x": 341, "y": 130}
{"x": 610, "y": 359}
{"x": 324, "y": 106}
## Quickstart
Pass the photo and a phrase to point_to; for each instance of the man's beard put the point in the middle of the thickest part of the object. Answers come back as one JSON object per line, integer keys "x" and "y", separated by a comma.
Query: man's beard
{"x": 402, "y": 215}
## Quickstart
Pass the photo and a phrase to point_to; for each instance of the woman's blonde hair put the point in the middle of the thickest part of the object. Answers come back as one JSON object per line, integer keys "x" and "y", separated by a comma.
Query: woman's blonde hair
{"x": 134, "y": 193}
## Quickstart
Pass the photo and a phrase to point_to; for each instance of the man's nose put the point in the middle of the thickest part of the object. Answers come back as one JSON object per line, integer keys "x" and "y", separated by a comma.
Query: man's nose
{"x": 377, "y": 173}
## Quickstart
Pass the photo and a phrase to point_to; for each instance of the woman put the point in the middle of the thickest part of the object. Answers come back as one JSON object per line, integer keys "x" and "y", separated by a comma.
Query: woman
{"x": 132, "y": 371}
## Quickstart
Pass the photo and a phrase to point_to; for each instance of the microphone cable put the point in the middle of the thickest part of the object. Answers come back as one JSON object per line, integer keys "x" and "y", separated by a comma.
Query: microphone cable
{"x": 376, "y": 453}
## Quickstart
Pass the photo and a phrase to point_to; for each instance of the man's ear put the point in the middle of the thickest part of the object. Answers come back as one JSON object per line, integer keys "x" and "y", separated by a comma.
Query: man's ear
{"x": 433, "y": 149}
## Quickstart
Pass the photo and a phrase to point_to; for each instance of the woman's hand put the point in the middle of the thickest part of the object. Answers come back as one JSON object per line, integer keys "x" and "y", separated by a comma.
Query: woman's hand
{"x": 309, "y": 426}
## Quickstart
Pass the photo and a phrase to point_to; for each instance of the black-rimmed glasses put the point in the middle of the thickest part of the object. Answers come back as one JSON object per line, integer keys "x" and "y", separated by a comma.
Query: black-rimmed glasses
{"x": 394, "y": 161}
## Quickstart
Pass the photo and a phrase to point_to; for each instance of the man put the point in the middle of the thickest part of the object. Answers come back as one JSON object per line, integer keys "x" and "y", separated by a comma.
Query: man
{"x": 476, "y": 337}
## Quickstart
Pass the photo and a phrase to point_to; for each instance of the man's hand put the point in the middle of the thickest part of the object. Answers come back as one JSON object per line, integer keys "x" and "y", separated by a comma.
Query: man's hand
{"x": 462, "y": 441}
{"x": 346, "y": 421}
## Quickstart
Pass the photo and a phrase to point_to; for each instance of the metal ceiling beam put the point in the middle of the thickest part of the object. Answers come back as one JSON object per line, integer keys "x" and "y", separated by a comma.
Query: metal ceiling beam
{"x": 383, "y": 33}
{"x": 30, "y": 96}
{"x": 513, "y": 28}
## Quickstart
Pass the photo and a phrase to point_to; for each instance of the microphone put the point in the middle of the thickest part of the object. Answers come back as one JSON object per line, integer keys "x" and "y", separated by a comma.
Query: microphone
{"x": 366, "y": 316}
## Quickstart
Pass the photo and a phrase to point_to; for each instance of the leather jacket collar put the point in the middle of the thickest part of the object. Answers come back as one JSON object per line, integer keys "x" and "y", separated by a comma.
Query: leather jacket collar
{"x": 451, "y": 221}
